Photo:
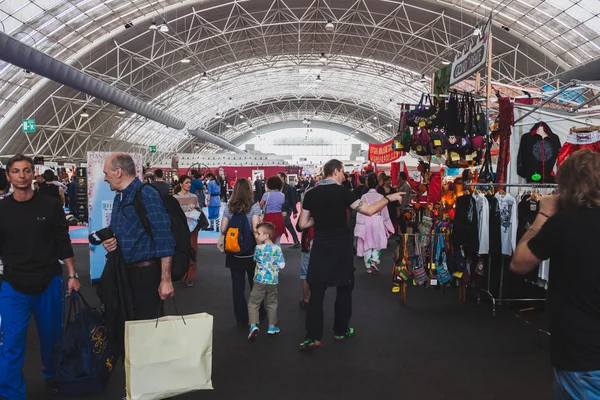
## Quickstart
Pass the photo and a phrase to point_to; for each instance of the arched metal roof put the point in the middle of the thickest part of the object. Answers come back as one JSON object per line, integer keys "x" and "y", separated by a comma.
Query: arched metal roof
{"x": 261, "y": 56}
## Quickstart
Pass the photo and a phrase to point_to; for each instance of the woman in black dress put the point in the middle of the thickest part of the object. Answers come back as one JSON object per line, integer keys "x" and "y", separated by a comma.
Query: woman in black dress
{"x": 392, "y": 206}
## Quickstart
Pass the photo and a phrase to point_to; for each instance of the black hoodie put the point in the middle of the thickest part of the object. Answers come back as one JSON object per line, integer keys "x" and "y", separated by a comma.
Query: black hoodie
{"x": 538, "y": 155}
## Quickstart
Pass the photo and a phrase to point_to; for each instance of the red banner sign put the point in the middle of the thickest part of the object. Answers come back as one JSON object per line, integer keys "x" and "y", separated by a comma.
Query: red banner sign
{"x": 383, "y": 153}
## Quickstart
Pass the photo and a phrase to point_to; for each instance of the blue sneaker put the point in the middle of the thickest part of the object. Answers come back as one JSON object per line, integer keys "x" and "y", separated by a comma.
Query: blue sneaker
{"x": 273, "y": 330}
{"x": 253, "y": 332}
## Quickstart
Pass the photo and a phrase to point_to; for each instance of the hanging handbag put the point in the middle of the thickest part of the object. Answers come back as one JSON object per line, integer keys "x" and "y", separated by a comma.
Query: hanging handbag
{"x": 455, "y": 160}
{"x": 413, "y": 114}
{"x": 443, "y": 275}
{"x": 402, "y": 264}
{"x": 428, "y": 113}
{"x": 452, "y": 114}
{"x": 397, "y": 143}
{"x": 421, "y": 142}
{"x": 402, "y": 124}
{"x": 486, "y": 174}
{"x": 480, "y": 121}
{"x": 418, "y": 272}
{"x": 406, "y": 140}
{"x": 436, "y": 140}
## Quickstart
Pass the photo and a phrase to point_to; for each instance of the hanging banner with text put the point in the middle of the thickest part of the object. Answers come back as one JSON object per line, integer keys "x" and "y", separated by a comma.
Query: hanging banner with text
{"x": 100, "y": 200}
{"x": 383, "y": 153}
{"x": 474, "y": 55}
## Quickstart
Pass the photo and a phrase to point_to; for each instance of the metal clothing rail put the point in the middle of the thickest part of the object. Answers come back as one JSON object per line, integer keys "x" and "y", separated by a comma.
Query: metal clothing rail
{"x": 529, "y": 185}
{"x": 499, "y": 300}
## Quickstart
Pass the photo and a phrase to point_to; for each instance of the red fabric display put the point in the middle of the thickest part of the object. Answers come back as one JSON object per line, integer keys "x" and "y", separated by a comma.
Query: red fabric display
{"x": 435, "y": 187}
{"x": 579, "y": 141}
{"x": 507, "y": 119}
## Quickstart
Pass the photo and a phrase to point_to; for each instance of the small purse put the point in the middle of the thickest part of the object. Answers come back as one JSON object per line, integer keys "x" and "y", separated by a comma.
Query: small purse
{"x": 420, "y": 142}
{"x": 436, "y": 140}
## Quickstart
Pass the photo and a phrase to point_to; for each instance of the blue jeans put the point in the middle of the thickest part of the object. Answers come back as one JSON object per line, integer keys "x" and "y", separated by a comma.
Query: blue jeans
{"x": 576, "y": 385}
{"x": 15, "y": 312}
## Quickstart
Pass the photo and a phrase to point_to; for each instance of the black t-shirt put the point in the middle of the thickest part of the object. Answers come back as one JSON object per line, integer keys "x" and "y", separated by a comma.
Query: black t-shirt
{"x": 50, "y": 189}
{"x": 570, "y": 240}
{"x": 163, "y": 187}
{"x": 34, "y": 235}
{"x": 328, "y": 205}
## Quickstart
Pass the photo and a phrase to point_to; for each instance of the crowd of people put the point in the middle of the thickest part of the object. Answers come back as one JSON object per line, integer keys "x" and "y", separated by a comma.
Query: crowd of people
{"x": 34, "y": 239}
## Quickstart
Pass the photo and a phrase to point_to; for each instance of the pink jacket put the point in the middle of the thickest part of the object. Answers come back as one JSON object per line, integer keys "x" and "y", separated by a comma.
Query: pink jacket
{"x": 372, "y": 232}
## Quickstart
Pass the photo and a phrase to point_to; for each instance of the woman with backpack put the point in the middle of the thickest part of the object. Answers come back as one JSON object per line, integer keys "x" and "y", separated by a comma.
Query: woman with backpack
{"x": 242, "y": 215}
{"x": 272, "y": 206}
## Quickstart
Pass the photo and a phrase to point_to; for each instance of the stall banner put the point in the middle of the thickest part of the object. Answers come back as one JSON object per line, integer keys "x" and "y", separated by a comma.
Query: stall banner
{"x": 100, "y": 199}
{"x": 473, "y": 56}
{"x": 383, "y": 153}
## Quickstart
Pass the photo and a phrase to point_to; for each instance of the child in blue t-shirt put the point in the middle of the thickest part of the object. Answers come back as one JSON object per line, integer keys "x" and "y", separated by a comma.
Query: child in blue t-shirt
{"x": 269, "y": 260}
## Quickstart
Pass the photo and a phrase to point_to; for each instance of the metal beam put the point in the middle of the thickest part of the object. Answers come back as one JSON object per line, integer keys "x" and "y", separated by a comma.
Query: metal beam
{"x": 30, "y": 59}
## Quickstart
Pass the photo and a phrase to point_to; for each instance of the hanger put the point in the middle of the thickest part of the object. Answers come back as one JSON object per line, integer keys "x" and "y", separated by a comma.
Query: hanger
{"x": 591, "y": 128}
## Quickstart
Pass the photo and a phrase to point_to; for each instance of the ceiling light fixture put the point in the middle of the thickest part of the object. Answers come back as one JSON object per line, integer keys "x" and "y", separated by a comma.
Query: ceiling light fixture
{"x": 196, "y": 147}
{"x": 164, "y": 27}
{"x": 217, "y": 115}
{"x": 228, "y": 125}
{"x": 423, "y": 79}
{"x": 185, "y": 61}
{"x": 329, "y": 26}
{"x": 204, "y": 77}
{"x": 84, "y": 113}
{"x": 153, "y": 26}
{"x": 323, "y": 58}
{"x": 446, "y": 62}
{"x": 389, "y": 125}
{"x": 477, "y": 31}
{"x": 375, "y": 117}
{"x": 28, "y": 74}
{"x": 319, "y": 78}
{"x": 121, "y": 111}
{"x": 242, "y": 116}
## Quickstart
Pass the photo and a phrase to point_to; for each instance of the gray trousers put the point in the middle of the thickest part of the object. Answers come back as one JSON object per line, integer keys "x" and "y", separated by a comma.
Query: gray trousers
{"x": 259, "y": 292}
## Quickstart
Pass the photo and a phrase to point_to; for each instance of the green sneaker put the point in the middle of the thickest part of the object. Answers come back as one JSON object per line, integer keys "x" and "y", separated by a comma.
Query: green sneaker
{"x": 309, "y": 344}
{"x": 349, "y": 333}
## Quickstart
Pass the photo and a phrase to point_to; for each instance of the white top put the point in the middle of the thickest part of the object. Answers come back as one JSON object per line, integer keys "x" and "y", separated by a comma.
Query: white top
{"x": 508, "y": 222}
{"x": 483, "y": 216}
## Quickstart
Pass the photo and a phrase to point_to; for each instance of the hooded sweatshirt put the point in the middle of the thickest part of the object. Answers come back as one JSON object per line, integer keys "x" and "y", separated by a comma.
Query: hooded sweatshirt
{"x": 537, "y": 155}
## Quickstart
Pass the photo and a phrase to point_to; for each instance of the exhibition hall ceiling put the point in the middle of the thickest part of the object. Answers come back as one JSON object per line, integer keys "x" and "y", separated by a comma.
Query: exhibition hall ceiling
{"x": 229, "y": 67}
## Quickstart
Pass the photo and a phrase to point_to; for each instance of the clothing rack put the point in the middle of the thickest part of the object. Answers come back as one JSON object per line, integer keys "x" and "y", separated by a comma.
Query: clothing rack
{"x": 500, "y": 300}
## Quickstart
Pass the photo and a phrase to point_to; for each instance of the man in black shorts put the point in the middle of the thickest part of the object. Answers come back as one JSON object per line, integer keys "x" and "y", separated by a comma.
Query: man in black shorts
{"x": 332, "y": 258}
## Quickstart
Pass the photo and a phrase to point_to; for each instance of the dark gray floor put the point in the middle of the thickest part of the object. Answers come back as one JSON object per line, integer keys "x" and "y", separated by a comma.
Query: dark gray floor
{"x": 434, "y": 349}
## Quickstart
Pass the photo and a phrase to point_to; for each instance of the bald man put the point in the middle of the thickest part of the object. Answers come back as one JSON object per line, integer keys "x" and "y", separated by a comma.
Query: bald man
{"x": 147, "y": 258}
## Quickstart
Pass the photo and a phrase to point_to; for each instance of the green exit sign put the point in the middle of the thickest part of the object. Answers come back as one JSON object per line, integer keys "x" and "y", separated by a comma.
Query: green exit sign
{"x": 28, "y": 125}
{"x": 152, "y": 149}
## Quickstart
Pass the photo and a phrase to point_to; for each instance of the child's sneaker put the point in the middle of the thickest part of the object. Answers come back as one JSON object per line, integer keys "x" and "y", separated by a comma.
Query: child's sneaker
{"x": 349, "y": 333}
{"x": 253, "y": 332}
{"x": 309, "y": 344}
{"x": 273, "y": 330}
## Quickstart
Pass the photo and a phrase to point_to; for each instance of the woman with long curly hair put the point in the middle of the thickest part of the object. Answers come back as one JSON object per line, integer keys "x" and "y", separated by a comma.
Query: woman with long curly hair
{"x": 566, "y": 231}
{"x": 241, "y": 266}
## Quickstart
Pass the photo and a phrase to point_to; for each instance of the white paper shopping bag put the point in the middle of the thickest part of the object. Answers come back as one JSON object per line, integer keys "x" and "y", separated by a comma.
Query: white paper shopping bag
{"x": 169, "y": 358}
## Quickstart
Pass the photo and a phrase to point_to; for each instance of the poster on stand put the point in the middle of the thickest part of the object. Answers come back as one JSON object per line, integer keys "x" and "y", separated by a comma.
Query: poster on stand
{"x": 100, "y": 199}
